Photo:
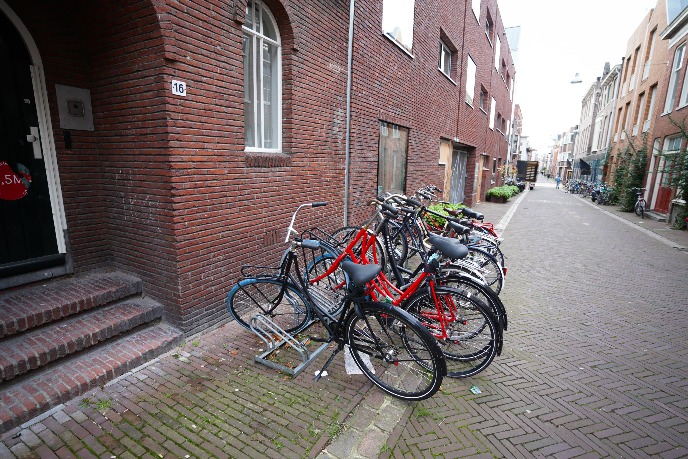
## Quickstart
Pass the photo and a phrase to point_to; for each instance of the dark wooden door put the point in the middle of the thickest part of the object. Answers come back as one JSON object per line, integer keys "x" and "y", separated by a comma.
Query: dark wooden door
{"x": 27, "y": 230}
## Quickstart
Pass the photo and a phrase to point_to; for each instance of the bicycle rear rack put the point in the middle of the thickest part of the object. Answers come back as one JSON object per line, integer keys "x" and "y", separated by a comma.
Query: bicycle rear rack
{"x": 275, "y": 338}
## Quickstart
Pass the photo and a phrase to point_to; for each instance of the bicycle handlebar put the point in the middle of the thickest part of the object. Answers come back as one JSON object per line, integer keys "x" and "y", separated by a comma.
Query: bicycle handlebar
{"x": 291, "y": 229}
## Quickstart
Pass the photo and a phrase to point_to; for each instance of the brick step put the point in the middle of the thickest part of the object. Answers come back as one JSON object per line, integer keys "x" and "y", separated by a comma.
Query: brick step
{"x": 31, "y": 306}
{"x": 37, "y": 347}
{"x": 26, "y": 397}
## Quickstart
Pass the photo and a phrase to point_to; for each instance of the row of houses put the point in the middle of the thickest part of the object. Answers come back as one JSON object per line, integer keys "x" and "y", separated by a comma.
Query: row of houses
{"x": 638, "y": 105}
{"x": 155, "y": 146}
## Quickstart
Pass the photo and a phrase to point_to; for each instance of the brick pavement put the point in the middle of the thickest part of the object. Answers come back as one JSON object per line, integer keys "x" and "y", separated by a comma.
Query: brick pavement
{"x": 593, "y": 366}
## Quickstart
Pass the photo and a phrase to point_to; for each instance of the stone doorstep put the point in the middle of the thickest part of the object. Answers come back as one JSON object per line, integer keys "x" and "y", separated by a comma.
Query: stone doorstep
{"x": 656, "y": 216}
{"x": 35, "y": 348}
{"x": 28, "y": 397}
{"x": 30, "y": 306}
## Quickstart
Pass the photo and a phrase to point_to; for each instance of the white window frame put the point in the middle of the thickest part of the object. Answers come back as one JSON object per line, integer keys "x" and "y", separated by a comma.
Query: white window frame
{"x": 648, "y": 63}
{"x": 445, "y": 60}
{"x": 651, "y": 108}
{"x": 673, "y": 81}
{"x": 259, "y": 40}
{"x": 395, "y": 23}
{"x": 498, "y": 49}
{"x": 471, "y": 71}
{"x": 639, "y": 115}
{"x": 683, "y": 100}
{"x": 493, "y": 105}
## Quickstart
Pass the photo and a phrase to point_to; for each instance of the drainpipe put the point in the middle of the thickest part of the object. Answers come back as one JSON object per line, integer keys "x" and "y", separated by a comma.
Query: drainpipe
{"x": 347, "y": 148}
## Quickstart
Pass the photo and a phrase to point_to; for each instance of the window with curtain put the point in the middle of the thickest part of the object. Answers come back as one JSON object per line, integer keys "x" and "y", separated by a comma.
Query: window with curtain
{"x": 262, "y": 80}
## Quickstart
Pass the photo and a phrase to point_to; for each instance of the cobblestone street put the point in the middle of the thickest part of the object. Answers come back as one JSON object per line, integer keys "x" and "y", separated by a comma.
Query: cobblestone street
{"x": 594, "y": 365}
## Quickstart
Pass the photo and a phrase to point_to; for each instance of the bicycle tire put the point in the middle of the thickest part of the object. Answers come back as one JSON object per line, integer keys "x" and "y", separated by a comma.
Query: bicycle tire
{"x": 474, "y": 336}
{"x": 395, "y": 351}
{"x": 486, "y": 265}
{"x": 484, "y": 294}
{"x": 492, "y": 248}
{"x": 278, "y": 300}
{"x": 640, "y": 209}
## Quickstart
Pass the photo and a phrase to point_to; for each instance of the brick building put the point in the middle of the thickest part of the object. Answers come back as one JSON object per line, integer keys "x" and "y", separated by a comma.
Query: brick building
{"x": 158, "y": 146}
{"x": 669, "y": 139}
{"x": 641, "y": 83}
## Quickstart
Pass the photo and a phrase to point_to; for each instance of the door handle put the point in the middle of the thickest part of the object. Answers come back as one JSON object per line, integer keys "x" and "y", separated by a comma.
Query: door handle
{"x": 35, "y": 140}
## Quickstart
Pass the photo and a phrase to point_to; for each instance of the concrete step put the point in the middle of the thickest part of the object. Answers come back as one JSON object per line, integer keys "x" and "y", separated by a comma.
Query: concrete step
{"x": 36, "y": 348}
{"x": 656, "y": 216}
{"x": 25, "y": 397}
{"x": 31, "y": 306}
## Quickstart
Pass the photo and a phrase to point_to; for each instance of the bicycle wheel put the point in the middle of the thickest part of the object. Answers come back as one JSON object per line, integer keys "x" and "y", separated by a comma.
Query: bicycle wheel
{"x": 472, "y": 335}
{"x": 279, "y": 301}
{"x": 488, "y": 267}
{"x": 481, "y": 292}
{"x": 395, "y": 351}
{"x": 640, "y": 209}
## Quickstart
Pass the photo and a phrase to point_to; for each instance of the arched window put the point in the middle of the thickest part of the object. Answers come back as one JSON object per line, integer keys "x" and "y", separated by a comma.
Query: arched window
{"x": 262, "y": 80}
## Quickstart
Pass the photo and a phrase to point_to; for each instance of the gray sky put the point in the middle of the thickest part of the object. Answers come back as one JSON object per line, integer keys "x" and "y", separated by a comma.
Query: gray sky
{"x": 558, "y": 39}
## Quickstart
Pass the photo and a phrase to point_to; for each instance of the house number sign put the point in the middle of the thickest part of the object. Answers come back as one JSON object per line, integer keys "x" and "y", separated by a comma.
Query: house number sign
{"x": 178, "y": 88}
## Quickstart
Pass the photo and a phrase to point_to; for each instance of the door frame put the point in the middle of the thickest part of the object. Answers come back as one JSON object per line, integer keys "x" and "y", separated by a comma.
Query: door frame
{"x": 47, "y": 138}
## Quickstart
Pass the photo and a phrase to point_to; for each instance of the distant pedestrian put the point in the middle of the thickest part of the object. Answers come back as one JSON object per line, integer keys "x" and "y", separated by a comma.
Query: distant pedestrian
{"x": 558, "y": 180}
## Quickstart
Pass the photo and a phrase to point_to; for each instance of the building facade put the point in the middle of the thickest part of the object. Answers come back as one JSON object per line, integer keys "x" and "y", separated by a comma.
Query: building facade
{"x": 641, "y": 83}
{"x": 172, "y": 141}
{"x": 669, "y": 133}
{"x": 583, "y": 143}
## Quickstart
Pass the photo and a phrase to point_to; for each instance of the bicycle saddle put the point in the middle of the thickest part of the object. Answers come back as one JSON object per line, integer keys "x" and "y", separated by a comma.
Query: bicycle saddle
{"x": 448, "y": 247}
{"x": 360, "y": 274}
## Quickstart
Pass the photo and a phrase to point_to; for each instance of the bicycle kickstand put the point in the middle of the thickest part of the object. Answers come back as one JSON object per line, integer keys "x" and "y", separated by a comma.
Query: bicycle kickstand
{"x": 329, "y": 361}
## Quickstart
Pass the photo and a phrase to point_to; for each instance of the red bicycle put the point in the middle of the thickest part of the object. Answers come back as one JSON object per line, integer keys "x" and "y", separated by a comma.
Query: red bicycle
{"x": 466, "y": 330}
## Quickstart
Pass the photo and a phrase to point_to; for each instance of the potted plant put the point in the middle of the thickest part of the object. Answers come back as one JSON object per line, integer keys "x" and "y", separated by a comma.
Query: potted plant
{"x": 501, "y": 193}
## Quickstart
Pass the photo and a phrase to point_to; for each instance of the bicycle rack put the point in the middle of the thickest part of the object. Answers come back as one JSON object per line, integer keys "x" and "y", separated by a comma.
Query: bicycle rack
{"x": 275, "y": 338}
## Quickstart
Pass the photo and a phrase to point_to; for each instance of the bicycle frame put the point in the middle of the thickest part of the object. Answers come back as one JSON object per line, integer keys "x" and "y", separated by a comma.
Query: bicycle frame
{"x": 383, "y": 287}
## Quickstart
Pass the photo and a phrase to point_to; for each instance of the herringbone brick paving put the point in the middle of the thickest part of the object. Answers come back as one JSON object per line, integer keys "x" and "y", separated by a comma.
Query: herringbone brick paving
{"x": 593, "y": 366}
{"x": 595, "y": 357}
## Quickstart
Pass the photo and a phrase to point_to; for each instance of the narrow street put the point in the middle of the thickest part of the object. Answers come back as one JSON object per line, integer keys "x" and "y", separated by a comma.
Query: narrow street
{"x": 594, "y": 365}
{"x": 595, "y": 354}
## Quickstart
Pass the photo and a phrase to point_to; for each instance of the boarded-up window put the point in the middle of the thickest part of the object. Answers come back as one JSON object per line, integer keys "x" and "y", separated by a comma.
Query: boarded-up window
{"x": 391, "y": 173}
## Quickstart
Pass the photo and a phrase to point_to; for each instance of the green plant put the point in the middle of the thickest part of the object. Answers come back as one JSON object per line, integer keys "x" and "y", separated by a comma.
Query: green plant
{"x": 505, "y": 191}
{"x": 103, "y": 404}
{"x": 436, "y": 221}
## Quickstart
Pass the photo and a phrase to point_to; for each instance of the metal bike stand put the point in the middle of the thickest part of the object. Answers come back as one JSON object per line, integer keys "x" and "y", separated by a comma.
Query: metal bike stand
{"x": 274, "y": 337}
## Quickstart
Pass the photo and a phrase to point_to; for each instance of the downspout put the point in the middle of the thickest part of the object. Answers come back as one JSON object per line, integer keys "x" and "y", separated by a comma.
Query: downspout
{"x": 347, "y": 148}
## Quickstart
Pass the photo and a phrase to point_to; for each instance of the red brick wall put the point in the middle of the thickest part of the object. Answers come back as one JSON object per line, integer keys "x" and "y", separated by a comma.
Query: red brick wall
{"x": 163, "y": 187}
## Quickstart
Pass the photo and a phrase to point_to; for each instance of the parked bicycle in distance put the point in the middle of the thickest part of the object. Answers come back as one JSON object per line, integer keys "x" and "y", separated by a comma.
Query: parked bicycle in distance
{"x": 640, "y": 205}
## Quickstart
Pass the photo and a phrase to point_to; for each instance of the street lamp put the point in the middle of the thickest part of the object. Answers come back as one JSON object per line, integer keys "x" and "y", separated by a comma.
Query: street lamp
{"x": 576, "y": 79}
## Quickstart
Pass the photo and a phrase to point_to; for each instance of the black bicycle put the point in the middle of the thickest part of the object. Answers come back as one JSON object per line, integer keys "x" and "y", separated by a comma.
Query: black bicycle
{"x": 390, "y": 346}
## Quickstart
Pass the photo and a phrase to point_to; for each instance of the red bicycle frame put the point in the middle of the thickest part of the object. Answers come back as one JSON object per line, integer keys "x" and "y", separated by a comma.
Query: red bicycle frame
{"x": 382, "y": 288}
